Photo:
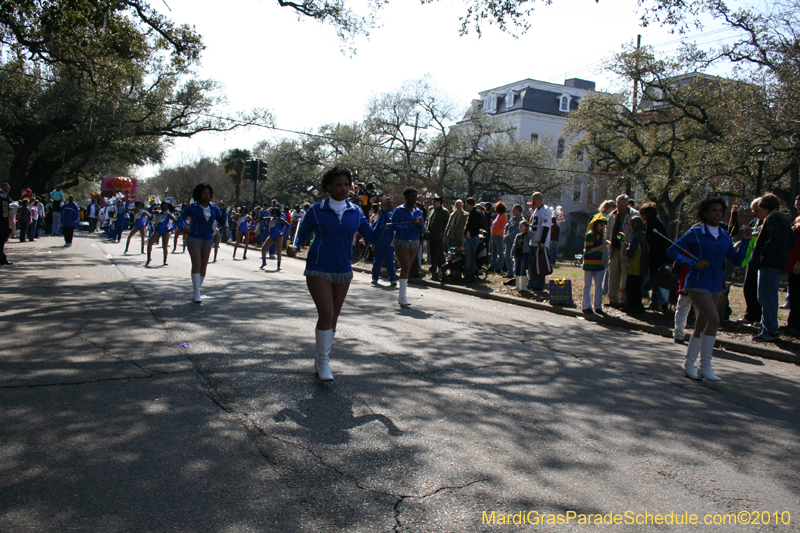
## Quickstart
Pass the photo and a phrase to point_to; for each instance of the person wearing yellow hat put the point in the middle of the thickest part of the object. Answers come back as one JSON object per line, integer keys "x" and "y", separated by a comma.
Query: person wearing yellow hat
{"x": 593, "y": 268}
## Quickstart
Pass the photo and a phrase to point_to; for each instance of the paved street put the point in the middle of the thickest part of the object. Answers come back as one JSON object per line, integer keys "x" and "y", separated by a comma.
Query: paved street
{"x": 126, "y": 407}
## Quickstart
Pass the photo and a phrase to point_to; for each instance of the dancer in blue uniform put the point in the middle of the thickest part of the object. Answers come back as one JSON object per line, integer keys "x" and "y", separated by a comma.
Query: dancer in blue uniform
{"x": 140, "y": 219}
{"x": 408, "y": 224}
{"x": 202, "y": 216}
{"x": 243, "y": 221}
{"x": 217, "y": 235}
{"x": 275, "y": 226}
{"x": 384, "y": 253}
{"x": 181, "y": 229}
{"x": 162, "y": 225}
{"x": 334, "y": 221}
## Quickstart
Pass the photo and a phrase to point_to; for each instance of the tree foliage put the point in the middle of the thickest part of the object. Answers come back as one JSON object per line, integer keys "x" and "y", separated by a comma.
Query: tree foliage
{"x": 87, "y": 88}
{"x": 668, "y": 142}
{"x": 767, "y": 53}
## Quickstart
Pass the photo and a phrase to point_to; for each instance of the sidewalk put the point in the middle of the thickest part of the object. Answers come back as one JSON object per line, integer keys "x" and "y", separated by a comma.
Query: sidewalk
{"x": 767, "y": 352}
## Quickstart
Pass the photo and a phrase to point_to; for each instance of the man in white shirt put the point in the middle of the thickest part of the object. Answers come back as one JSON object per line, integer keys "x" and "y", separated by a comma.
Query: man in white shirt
{"x": 539, "y": 240}
{"x": 13, "y": 207}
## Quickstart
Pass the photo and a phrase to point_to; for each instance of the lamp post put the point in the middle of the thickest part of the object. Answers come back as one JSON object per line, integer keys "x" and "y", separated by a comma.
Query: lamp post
{"x": 761, "y": 156}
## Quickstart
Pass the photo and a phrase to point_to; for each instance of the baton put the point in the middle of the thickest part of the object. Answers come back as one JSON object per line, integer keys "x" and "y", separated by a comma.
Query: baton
{"x": 289, "y": 252}
{"x": 673, "y": 242}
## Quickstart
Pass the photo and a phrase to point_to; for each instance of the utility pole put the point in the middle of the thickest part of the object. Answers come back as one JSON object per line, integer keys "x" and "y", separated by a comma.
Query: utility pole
{"x": 635, "y": 102}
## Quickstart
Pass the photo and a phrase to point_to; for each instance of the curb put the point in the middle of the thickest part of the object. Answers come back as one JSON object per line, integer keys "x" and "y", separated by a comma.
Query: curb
{"x": 725, "y": 344}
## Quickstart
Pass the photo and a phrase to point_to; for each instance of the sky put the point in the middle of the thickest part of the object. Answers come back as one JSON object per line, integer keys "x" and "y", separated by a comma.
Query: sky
{"x": 264, "y": 56}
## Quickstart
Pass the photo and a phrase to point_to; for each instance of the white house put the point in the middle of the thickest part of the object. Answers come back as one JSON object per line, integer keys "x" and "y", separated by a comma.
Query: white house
{"x": 539, "y": 110}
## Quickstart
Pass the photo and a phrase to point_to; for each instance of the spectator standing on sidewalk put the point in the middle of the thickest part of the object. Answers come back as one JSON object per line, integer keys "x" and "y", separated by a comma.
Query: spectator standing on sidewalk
{"x": 605, "y": 209}
{"x": 657, "y": 245}
{"x": 617, "y": 231}
{"x": 24, "y": 215}
{"x": 33, "y": 229}
{"x": 472, "y": 230}
{"x": 593, "y": 246}
{"x": 539, "y": 237}
{"x": 555, "y": 235}
{"x": 793, "y": 268}
{"x": 70, "y": 220}
{"x": 5, "y": 224}
{"x": 638, "y": 254}
{"x": 56, "y": 201}
{"x": 792, "y": 326}
{"x": 498, "y": 228}
{"x": 13, "y": 208}
{"x": 521, "y": 252}
{"x": 771, "y": 251}
{"x": 454, "y": 233}
{"x": 93, "y": 213}
{"x": 509, "y": 234}
{"x": 437, "y": 224}
{"x": 752, "y": 314}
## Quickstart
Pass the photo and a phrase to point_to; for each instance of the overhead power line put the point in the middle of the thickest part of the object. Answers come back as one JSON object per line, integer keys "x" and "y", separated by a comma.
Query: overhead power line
{"x": 236, "y": 122}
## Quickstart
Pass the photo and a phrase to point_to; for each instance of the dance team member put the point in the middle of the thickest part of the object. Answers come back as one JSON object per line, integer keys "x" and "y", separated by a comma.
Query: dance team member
{"x": 140, "y": 219}
{"x": 707, "y": 245}
{"x": 217, "y": 237}
{"x": 408, "y": 225}
{"x": 242, "y": 226}
{"x": 334, "y": 221}
{"x": 275, "y": 225}
{"x": 202, "y": 215}
{"x": 162, "y": 226}
{"x": 384, "y": 253}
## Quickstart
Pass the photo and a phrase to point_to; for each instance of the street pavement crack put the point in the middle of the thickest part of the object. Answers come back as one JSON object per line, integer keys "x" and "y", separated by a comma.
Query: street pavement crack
{"x": 89, "y": 381}
{"x": 108, "y": 352}
{"x": 403, "y": 498}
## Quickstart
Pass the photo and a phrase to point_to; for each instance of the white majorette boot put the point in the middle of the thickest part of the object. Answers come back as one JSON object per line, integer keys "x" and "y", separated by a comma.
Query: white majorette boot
{"x": 691, "y": 356}
{"x": 401, "y": 298}
{"x": 706, "y": 351}
{"x": 196, "y": 282}
{"x": 322, "y": 363}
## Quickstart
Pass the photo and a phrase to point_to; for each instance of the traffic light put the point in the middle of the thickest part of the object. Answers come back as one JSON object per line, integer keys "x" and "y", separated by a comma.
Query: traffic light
{"x": 262, "y": 170}
{"x": 250, "y": 169}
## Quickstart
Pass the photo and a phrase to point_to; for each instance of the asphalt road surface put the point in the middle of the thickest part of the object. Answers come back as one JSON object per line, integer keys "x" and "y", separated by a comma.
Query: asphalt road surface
{"x": 126, "y": 407}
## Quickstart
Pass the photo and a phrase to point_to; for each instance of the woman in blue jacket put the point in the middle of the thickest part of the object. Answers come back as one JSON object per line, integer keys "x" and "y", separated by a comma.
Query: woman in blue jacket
{"x": 408, "y": 224}
{"x": 201, "y": 216}
{"x": 707, "y": 245}
{"x": 333, "y": 221}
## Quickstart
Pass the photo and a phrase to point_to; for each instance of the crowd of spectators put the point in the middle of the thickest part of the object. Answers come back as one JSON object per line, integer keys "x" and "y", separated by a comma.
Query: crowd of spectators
{"x": 626, "y": 251}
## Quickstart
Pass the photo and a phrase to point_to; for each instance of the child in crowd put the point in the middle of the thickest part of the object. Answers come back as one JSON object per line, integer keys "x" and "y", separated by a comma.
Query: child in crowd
{"x": 593, "y": 267}
{"x": 637, "y": 252}
{"x": 521, "y": 253}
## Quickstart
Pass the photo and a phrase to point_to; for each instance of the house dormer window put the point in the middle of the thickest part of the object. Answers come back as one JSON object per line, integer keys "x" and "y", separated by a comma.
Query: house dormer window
{"x": 564, "y": 103}
{"x": 509, "y": 99}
